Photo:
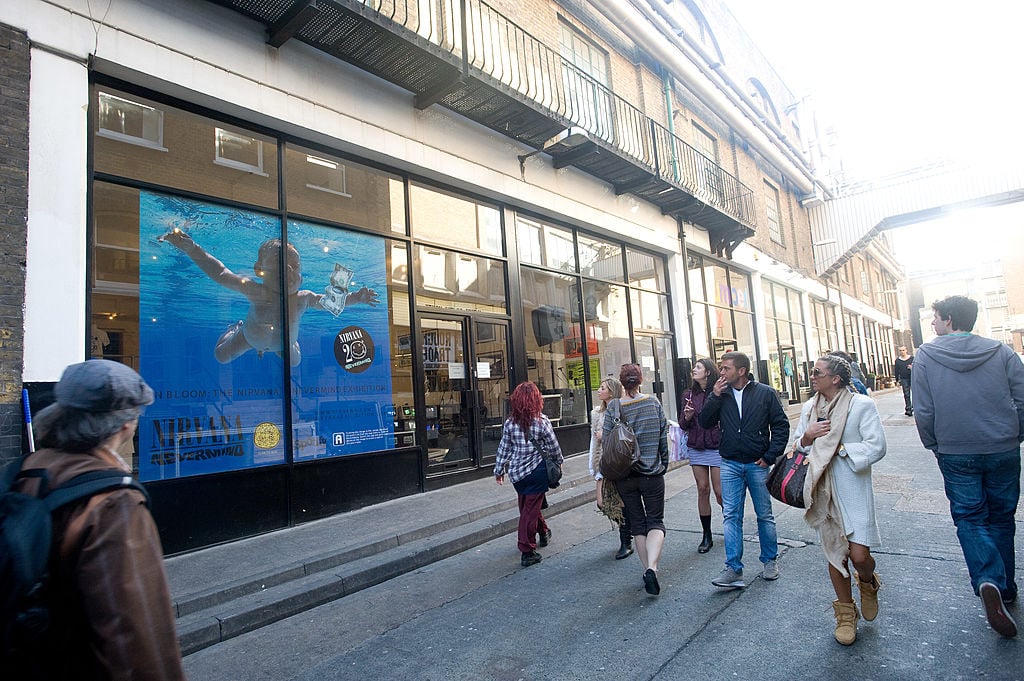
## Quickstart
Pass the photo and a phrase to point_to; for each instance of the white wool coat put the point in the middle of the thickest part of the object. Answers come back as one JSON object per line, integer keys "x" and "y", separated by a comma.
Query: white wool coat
{"x": 863, "y": 445}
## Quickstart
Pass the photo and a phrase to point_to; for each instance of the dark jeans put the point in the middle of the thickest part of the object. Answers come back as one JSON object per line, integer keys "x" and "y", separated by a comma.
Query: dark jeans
{"x": 644, "y": 499}
{"x": 908, "y": 404}
{"x": 983, "y": 491}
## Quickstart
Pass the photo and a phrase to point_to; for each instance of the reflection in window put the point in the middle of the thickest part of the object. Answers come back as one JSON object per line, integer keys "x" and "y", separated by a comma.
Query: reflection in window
{"x": 455, "y": 220}
{"x": 342, "y": 191}
{"x": 650, "y": 311}
{"x": 600, "y": 259}
{"x": 185, "y": 163}
{"x": 238, "y": 151}
{"x": 129, "y": 121}
{"x": 545, "y": 245}
{"x": 327, "y": 176}
{"x": 646, "y": 271}
{"x": 450, "y": 280}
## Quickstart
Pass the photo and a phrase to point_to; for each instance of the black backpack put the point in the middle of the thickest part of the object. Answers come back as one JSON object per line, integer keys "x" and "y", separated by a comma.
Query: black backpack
{"x": 26, "y": 533}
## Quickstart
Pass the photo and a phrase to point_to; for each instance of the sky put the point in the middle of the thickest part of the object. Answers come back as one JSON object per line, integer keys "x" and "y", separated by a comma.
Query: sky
{"x": 904, "y": 83}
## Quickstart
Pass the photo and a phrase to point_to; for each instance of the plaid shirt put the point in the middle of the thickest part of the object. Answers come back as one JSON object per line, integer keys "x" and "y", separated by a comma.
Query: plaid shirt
{"x": 515, "y": 452}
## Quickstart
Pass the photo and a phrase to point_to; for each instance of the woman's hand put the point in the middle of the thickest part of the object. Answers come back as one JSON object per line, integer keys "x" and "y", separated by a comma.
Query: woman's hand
{"x": 688, "y": 411}
{"x": 500, "y": 479}
{"x": 814, "y": 431}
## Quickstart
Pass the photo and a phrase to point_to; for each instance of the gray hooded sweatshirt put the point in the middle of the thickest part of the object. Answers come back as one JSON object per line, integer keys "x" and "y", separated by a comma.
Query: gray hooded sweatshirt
{"x": 968, "y": 395}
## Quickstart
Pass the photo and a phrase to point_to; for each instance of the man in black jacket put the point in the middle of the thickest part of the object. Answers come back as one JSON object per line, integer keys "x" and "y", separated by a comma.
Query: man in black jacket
{"x": 755, "y": 431}
{"x": 901, "y": 370}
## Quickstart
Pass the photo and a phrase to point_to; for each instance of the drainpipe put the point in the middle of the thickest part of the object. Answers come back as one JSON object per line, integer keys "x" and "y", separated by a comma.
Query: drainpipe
{"x": 667, "y": 82}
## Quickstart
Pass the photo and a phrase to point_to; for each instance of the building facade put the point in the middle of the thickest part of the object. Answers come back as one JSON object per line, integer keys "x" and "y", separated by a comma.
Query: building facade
{"x": 333, "y": 235}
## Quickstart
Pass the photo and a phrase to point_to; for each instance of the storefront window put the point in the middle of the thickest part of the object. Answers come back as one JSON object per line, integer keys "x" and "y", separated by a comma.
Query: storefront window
{"x": 646, "y": 271}
{"x": 600, "y": 259}
{"x": 210, "y": 336}
{"x": 457, "y": 281}
{"x": 455, "y": 220}
{"x": 695, "y": 272}
{"x": 331, "y": 188}
{"x": 545, "y": 245}
{"x": 551, "y": 311}
{"x": 341, "y": 383}
{"x": 727, "y": 325}
{"x": 650, "y": 310}
{"x": 144, "y": 140}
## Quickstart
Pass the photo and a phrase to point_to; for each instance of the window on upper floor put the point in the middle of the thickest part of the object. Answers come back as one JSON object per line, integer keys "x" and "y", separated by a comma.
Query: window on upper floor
{"x": 586, "y": 85}
{"x": 705, "y": 142}
{"x": 762, "y": 100}
{"x": 865, "y": 282}
{"x": 694, "y": 25}
{"x": 773, "y": 210}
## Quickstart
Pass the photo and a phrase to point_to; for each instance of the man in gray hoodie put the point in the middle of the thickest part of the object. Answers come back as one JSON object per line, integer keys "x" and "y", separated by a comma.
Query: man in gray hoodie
{"x": 969, "y": 395}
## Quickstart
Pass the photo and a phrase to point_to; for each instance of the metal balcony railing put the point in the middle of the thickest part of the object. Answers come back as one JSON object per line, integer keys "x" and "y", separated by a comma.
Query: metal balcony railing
{"x": 490, "y": 44}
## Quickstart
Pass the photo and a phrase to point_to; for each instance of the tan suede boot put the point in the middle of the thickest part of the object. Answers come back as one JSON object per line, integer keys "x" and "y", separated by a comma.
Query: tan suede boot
{"x": 869, "y": 596}
{"x": 846, "y": 622}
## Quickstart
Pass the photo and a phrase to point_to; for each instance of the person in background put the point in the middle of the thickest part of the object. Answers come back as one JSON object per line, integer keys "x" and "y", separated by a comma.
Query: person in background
{"x": 970, "y": 413}
{"x": 643, "y": 490}
{"x": 901, "y": 371}
{"x": 111, "y": 607}
{"x": 608, "y": 500}
{"x": 703, "y": 446}
{"x": 755, "y": 431}
{"x": 841, "y": 434}
{"x": 856, "y": 375}
{"x": 526, "y": 431}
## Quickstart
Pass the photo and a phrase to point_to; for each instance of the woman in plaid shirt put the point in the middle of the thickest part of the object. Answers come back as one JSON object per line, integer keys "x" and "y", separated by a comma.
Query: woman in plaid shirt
{"x": 526, "y": 430}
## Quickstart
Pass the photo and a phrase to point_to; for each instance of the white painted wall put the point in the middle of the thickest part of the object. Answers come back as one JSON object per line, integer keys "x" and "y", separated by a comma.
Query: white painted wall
{"x": 55, "y": 279}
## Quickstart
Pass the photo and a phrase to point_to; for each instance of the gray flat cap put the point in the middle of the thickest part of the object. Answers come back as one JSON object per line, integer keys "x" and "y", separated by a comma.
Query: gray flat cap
{"x": 100, "y": 385}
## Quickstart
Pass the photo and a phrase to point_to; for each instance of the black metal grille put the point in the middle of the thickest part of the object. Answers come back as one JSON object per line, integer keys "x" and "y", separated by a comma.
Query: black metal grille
{"x": 469, "y": 58}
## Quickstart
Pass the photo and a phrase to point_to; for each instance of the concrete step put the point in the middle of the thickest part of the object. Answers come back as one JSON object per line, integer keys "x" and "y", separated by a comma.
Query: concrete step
{"x": 209, "y": 615}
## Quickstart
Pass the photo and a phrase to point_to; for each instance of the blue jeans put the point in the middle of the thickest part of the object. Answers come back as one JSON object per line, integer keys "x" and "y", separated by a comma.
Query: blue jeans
{"x": 737, "y": 478}
{"x": 983, "y": 490}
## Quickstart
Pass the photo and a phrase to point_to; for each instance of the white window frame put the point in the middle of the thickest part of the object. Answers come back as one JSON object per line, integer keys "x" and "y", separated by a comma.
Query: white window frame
{"x": 331, "y": 166}
{"x": 218, "y": 159}
{"x": 155, "y": 142}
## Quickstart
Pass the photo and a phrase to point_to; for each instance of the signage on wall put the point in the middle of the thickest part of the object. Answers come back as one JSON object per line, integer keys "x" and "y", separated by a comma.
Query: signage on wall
{"x": 211, "y": 342}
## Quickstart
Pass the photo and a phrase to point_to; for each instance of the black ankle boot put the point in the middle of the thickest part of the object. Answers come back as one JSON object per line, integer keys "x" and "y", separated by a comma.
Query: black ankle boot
{"x": 625, "y": 543}
{"x": 707, "y": 542}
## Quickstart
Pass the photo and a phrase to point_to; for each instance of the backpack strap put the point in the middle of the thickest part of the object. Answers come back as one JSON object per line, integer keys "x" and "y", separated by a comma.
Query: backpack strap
{"x": 88, "y": 484}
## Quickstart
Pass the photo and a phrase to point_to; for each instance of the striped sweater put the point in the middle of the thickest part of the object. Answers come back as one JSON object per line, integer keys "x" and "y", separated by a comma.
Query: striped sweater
{"x": 645, "y": 416}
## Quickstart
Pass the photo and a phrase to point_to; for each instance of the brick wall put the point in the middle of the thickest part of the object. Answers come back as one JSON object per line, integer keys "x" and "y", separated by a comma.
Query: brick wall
{"x": 14, "y": 75}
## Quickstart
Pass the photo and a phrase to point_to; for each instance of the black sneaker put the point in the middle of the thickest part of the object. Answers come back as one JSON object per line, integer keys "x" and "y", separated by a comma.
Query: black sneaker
{"x": 651, "y": 585}
{"x": 531, "y": 558}
{"x": 543, "y": 537}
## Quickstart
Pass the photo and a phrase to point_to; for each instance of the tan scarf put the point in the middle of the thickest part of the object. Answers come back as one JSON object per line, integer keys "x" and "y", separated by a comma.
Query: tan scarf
{"x": 823, "y": 512}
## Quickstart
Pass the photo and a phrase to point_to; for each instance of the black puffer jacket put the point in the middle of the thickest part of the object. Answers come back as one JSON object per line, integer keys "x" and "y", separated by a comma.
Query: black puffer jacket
{"x": 763, "y": 431}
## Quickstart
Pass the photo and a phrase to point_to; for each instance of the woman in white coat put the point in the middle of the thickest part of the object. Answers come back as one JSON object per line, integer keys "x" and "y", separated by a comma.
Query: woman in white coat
{"x": 842, "y": 435}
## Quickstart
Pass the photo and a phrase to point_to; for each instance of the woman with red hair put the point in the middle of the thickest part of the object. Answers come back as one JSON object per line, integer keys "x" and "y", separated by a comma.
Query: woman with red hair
{"x": 527, "y": 432}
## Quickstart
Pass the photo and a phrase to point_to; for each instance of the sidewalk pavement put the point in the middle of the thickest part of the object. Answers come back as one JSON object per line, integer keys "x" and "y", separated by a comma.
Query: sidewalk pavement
{"x": 225, "y": 591}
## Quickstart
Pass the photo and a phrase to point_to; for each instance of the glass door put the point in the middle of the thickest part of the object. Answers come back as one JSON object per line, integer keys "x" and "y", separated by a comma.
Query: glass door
{"x": 465, "y": 390}
{"x": 654, "y": 354}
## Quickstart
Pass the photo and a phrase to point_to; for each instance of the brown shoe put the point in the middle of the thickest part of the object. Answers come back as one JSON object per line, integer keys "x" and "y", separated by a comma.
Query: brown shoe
{"x": 869, "y": 596}
{"x": 995, "y": 611}
{"x": 846, "y": 622}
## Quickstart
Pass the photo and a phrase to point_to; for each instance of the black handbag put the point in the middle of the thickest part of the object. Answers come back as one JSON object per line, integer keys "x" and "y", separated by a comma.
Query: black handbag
{"x": 550, "y": 462}
{"x": 786, "y": 479}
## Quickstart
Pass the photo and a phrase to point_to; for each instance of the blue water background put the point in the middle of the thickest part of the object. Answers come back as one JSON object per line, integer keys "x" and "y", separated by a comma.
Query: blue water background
{"x": 183, "y": 313}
